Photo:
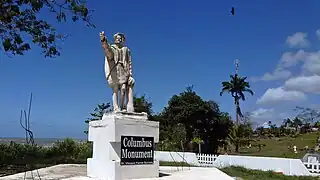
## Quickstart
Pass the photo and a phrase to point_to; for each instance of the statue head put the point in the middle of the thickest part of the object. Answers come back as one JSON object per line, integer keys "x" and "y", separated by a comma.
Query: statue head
{"x": 119, "y": 38}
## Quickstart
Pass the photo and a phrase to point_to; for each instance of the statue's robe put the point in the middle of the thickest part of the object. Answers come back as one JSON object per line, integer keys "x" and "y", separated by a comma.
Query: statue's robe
{"x": 118, "y": 69}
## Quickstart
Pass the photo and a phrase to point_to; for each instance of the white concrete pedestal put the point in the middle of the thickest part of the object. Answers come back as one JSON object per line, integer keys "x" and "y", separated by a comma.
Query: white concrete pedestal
{"x": 106, "y": 137}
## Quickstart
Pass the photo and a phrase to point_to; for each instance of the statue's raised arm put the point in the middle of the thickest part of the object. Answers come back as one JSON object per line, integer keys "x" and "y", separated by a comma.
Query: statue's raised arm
{"x": 105, "y": 45}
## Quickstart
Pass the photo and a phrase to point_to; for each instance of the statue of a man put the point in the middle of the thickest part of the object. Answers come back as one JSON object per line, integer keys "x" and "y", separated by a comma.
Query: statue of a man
{"x": 118, "y": 69}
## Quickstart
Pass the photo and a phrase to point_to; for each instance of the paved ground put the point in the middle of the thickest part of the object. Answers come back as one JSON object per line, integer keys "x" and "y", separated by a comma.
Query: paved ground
{"x": 78, "y": 172}
{"x": 196, "y": 173}
{"x": 58, "y": 172}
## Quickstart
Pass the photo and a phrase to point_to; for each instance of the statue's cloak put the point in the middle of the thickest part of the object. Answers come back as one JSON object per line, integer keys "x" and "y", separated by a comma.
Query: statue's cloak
{"x": 117, "y": 69}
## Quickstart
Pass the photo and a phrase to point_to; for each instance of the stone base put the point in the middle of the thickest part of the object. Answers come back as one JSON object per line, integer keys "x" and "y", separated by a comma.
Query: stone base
{"x": 106, "y": 137}
{"x": 114, "y": 125}
{"x": 112, "y": 170}
{"x": 127, "y": 115}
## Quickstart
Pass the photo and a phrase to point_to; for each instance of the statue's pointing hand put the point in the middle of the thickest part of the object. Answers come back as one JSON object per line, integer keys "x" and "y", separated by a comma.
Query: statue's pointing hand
{"x": 102, "y": 36}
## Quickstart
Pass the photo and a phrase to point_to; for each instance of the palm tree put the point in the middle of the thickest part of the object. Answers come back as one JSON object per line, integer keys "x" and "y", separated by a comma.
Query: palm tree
{"x": 236, "y": 87}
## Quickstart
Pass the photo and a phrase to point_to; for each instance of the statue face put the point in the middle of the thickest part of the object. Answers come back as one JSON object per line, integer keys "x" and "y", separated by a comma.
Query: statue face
{"x": 118, "y": 39}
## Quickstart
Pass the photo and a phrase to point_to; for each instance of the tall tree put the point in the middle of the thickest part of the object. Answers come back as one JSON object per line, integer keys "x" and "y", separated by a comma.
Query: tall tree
{"x": 20, "y": 23}
{"x": 237, "y": 86}
{"x": 199, "y": 118}
{"x": 98, "y": 113}
{"x": 287, "y": 122}
{"x": 297, "y": 122}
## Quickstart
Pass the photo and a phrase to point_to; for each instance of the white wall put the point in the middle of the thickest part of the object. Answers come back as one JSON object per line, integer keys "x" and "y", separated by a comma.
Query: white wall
{"x": 190, "y": 158}
{"x": 285, "y": 165}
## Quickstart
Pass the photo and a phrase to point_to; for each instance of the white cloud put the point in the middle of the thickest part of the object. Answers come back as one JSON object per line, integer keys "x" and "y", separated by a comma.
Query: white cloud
{"x": 289, "y": 59}
{"x": 298, "y": 39}
{"x": 309, "y": 84}
{"x": 276, "y": 95}
{"x": 310, "y": 60}
{"x": 312, "y": 63}
{"x": 276, "y": 75}
{"x": 262, "y": 115}
{"x": 318, "y": 33}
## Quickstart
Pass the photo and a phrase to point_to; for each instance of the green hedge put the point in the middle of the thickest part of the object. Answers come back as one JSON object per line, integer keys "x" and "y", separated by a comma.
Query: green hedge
{"x": 66, "y": 151}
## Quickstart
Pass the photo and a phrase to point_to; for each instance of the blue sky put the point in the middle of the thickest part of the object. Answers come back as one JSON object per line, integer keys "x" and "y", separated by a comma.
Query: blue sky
{"x": 174, "y": 44}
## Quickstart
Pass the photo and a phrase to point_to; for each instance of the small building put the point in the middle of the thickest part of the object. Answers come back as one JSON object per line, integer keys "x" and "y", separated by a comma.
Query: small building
{"x": 266, "y": 125}
{"x": 311, "y": 157}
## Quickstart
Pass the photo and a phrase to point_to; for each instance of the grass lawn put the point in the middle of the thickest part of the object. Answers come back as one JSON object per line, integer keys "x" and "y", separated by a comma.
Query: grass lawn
{"x": 261, "y": 175}
{"x": 165, "y": 163}
{"x": 247, "y": 174}
{"x": 278, "y": 147}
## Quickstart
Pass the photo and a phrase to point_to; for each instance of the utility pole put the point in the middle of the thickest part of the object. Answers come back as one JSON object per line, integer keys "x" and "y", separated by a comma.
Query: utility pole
{"x": 237, "y": 62}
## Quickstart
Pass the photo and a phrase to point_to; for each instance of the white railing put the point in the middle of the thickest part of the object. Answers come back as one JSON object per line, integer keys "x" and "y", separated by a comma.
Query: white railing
{"x": 206, "y": 160}
{"x": 313, "y": 167}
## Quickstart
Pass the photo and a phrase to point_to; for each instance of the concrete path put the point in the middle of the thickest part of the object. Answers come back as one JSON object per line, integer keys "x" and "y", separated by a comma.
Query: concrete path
{"x": 78, "y": 172}
{"x": 195, "y": 173}
{"x": 58, "y": 172}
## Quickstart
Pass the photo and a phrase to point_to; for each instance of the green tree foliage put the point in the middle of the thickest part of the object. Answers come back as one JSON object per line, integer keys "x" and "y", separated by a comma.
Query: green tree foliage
{"x": 21, "y": 23}
{"x": 297, "y": 122}
{"x": 171, "y": 136}
{"x": 141, "y": 104}
{"x": 196, "y": 118}
{"x": 241, "y": 134}
{"x": 98, "y": 113}
{"x": 287, "y": 123}
{"x": 317, "y": 124}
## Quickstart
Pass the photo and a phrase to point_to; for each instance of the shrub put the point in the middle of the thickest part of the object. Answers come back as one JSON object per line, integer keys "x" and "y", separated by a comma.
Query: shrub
{"x": 13, "y": 153}
{"x": 67, "y": 151}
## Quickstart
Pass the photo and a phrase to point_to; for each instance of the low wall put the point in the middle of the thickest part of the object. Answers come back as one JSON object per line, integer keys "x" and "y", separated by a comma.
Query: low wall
{"x": 188, "y": 157}
{"x": 285, "y": 165}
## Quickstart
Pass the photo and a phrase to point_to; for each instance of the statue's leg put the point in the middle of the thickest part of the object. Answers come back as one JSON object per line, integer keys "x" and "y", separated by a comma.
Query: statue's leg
{"x": 122, "y": 95}
{"x": 115, "y": 90}
{"x": 130, "y": 107}
{"x": 126, "y": 95}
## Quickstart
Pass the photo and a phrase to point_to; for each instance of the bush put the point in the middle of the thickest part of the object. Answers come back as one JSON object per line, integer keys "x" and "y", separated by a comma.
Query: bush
{"x": 67, "y": 151}
{"x": 14, "y": 153}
